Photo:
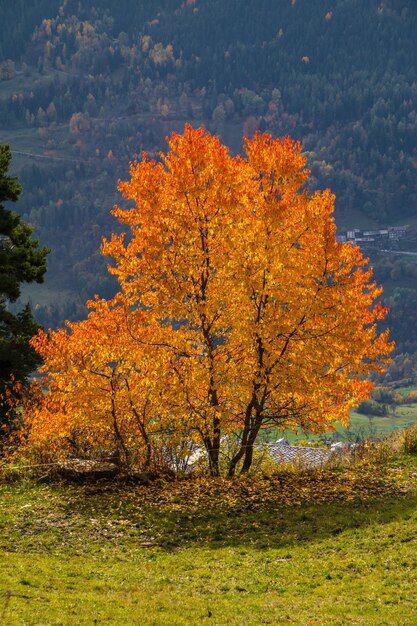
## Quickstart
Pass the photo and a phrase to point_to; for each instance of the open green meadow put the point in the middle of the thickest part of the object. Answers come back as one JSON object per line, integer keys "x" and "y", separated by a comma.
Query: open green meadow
{"x": 330, "y": 546}
{"x": 380, "y": 426}
{"x": 363, "y": 427}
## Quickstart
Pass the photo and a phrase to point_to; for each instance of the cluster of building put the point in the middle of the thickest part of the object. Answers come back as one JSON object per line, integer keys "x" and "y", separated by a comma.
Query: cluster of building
{"x": 384, "y": 237}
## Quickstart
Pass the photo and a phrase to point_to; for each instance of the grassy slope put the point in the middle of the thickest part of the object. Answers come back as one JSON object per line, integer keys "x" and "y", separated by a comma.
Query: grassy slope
{"x": 366, "y": 426}
{"x": 405, "y": 415}
{"x": 328, "y": 547}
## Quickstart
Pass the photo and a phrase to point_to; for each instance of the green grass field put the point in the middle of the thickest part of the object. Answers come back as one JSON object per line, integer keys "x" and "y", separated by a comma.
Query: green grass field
{"x": 328, "y": 547}
{"x": 404, "y": 416}
{"x": 362, "y": 426}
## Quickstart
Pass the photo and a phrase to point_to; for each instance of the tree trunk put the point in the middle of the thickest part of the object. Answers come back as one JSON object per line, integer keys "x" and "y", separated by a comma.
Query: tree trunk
{"x": 247, "y": 462}
{"x": 213, "y": 451}
{"x": 244, "y": 441}
{"x": 235, "y": 460}
{"x": 145, "y": 438}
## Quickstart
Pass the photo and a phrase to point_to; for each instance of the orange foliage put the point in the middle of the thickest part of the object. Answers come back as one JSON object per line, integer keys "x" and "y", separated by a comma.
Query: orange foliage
{"x": 237, "y": 310}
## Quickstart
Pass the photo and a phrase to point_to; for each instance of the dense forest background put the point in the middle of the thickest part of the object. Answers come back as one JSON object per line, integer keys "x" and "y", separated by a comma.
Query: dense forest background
{"x": 86, "y": 86}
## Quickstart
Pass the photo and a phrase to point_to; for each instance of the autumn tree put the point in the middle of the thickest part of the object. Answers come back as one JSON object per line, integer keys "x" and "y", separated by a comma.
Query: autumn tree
{"x": 241, "y": 310}
{"x": 101, "y": 387}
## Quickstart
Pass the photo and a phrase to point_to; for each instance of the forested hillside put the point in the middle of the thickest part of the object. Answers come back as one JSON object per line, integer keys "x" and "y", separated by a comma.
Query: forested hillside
{"x": 87, "y": 86}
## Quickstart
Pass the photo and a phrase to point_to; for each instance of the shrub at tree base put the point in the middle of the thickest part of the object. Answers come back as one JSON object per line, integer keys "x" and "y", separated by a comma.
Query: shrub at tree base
{"x": 237, "y": 310}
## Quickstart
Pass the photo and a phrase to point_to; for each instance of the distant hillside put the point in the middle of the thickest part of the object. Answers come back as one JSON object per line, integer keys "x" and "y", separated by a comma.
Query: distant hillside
{"x": 86, "y": 86}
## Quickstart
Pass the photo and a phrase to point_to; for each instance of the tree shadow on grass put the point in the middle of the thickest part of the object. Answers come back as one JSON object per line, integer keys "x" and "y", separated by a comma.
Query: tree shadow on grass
{"x": 177, "y": 522}
{"x": 277, "y": 528}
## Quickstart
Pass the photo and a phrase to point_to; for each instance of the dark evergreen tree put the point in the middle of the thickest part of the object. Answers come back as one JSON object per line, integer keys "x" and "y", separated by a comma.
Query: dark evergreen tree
{"x": 21, "y": 260}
